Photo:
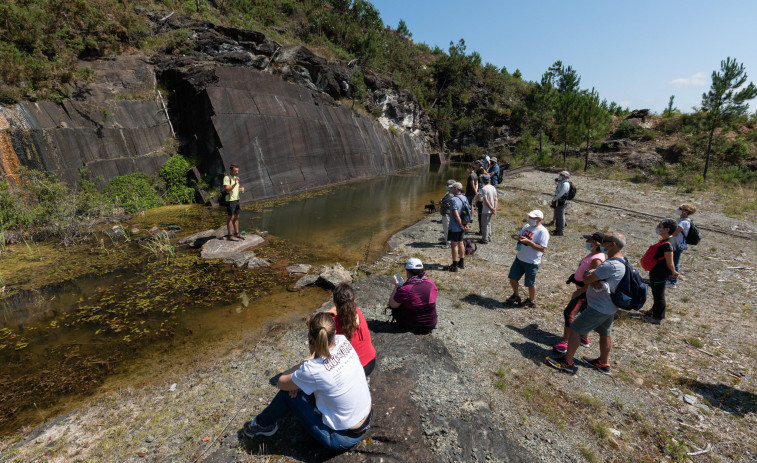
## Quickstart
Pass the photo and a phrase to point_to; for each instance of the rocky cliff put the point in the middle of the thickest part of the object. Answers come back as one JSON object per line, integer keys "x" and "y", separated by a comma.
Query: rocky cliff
{"x": 233, "y": 96}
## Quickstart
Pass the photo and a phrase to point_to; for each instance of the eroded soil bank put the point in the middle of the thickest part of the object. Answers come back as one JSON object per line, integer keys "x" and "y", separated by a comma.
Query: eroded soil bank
{"x": 477, "y": 388}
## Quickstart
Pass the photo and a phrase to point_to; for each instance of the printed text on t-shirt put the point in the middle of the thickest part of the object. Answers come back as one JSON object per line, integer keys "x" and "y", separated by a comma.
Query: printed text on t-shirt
{"x": 342, "y": 352}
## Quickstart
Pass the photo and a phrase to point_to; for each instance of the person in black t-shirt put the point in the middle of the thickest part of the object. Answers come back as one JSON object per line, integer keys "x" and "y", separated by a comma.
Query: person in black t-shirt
{"x": 660, "y": 273}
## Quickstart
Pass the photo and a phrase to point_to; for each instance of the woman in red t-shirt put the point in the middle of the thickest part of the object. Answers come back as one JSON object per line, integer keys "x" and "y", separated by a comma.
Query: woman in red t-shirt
{"x": 351, "y": 323}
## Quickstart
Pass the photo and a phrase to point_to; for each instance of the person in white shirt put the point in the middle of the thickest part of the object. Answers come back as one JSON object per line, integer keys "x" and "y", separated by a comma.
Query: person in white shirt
{"x": 328, "y": 392}
{"x": 532, "y": 242}
{"x": 488, "y": 197}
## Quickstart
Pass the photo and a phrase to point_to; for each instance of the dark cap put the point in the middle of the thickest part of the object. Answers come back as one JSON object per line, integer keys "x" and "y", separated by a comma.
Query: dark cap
{"x": 596, "y": 236}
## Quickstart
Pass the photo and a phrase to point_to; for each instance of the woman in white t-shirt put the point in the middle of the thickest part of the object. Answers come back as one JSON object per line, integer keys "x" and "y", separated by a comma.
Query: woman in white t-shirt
{"x": 679, "y": 237}
{"x": 328, "y": 392}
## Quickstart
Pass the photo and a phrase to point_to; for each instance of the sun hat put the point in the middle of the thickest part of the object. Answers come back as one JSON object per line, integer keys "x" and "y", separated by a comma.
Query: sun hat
{"x": 414, "y": 263}
{"x": 596, "y": 236}
{"x": 536, "y": 213}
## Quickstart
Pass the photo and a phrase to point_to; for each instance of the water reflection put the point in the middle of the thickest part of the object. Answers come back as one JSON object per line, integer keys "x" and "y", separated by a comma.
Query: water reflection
{"x": 353, "y": 221}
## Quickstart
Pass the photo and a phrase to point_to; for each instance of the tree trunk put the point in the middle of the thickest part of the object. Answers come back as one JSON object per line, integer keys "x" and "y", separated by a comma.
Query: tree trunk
{"x": 586, "y": 159}
{"x": 707, "y": 155}
{"x": 197, "y": 2}
{"x": 541, "y": 135}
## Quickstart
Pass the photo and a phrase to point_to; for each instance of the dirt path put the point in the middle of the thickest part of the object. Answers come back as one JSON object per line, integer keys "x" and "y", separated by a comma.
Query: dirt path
{"x": 477, "y": 388}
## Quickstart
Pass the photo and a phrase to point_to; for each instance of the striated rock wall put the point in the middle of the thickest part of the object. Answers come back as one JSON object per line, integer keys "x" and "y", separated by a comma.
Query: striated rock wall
{"x": 113, "y": 127}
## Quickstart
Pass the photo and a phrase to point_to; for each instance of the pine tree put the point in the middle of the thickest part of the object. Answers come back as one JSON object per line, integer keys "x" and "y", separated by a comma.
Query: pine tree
{"x": 670, "y": 110}
{"x": 543, "y": 100}
{"x": 594, "y": 118}
{"x": 726, "y": 100}
{"x": 567, "y": 100}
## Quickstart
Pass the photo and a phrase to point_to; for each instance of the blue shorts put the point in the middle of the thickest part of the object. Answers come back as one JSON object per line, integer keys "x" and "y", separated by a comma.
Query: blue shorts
{"x": 590, "y": 320}
{"x": 519, "y": 268}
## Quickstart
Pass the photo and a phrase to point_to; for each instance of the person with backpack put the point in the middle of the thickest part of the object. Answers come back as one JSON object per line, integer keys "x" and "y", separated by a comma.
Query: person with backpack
{"x": 661, "y": 256}
{"x": 444, "y": 211}
{"x": 488, "y": 198}
{"x": 601, "y": 284}
{"x": 532, "y": 242}
{"x": 560, "y": 202}
{"x": 232, "y": 189}
{"x": 681, "y": 235}
{"x": 493, "y": 171}
{"x": 459, "y": 218}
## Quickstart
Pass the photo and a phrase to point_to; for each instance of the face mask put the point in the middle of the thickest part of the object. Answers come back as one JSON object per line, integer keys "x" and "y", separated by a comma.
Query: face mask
{"x": 602, "y": 249}
{"x": 679, "y": 212}
{"x": 658, "y": 230}
{"x": 532, "y": 222}
{"x": 588, "y": 246}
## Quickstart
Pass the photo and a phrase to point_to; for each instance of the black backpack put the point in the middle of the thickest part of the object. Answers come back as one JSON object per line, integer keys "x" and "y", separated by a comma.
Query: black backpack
{"x": 693, "y": 237}
{"x": 631, "y": 292}
{"x": 222, "y": 195}
{"x": 571, "y": 191}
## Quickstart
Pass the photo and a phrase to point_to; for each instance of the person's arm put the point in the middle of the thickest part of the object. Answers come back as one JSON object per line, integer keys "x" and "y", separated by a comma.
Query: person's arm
{"x": 579, "y": 291}
{"x": 670, "y": 264}
{"x": 456, "y": 217}
{"x": 529, "y": 242}
{"x": 331, "y": 311}
{"x": 492, "y": 207}
{"x": 285, "y": 382}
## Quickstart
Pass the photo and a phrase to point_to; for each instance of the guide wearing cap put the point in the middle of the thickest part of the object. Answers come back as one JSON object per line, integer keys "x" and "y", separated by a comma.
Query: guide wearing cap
{"x": 532, "y": 242}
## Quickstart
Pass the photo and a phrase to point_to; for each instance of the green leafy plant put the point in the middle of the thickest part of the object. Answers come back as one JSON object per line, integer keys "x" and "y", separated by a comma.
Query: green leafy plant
{"x": 174, "y": 174}
{"x": 133, "y": 192}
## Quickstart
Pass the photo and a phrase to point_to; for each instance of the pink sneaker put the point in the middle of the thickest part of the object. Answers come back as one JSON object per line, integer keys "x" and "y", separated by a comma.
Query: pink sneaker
{"x": 585, "y": 342}
{"x": 561, "y": 347}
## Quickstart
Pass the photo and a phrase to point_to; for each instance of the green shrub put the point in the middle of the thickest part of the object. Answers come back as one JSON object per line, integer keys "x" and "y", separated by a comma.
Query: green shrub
{"x": 174, "y": 174}
{"x": 133, "y": 192}
{"x": 735, "y": 152}
{"x": 626, "y": 130}
{"x": 472, "y": 153}
{"x": 9, "y": 208}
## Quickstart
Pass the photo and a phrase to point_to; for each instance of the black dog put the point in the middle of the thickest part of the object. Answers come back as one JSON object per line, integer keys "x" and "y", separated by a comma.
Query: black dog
{"x": 430, "y": 207}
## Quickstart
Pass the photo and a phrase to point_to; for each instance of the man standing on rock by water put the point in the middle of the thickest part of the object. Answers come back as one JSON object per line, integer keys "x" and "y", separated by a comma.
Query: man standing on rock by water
{"x": 600, "y": 311}
{"x": 232, "y": 189}
{"x": 457, "y": 227}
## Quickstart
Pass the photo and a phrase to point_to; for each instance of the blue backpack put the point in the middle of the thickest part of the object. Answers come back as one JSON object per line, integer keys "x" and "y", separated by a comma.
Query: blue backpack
{"x": 466, "y": 215}
{"x": 631, "y": 293}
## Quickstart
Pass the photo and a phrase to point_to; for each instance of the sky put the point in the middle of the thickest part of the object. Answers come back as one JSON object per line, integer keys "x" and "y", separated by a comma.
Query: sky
{"x": 637, "y": 53}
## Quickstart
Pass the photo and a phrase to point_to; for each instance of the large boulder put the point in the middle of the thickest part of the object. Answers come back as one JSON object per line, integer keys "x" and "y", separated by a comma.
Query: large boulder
{"x": 334, "y": 276}
{"x": 307, "y": 280}
{"x": 220, "y": 248}
{"x": 643, "y": 159}
{"x": 257, "y": 262}
{"x": 299, "y": 268}
{"x": 239, "y": 259}
{"x": 196, "y": 240}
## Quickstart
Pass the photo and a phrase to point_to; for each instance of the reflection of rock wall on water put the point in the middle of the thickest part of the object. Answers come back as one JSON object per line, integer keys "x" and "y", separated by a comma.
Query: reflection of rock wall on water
{"x": 113, "y": 127}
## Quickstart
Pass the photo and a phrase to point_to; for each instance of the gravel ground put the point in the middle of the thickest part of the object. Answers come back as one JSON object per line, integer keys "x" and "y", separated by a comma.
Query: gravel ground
{"x": 477, "y": 388}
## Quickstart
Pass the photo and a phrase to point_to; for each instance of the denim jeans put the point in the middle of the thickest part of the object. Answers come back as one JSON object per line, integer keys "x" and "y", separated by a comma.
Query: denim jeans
{"x": 304, "y": 407}
{"x": 676, "y": 259}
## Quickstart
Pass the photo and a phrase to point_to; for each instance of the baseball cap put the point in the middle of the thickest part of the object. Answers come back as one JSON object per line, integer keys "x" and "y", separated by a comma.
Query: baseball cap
{"x": 458, "y": 185}
{"x": 536, "y": 213}
{"x": 485, "y": 177}
{"x": 565, "y": 174}
{"x": 414, "y": 263}
{"x": 450, "y": 183}
{"x": 596, "y": 236}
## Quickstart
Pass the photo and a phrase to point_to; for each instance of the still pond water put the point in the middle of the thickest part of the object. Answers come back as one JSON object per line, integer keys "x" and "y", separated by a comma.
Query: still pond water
{"x": 147, "y": 322}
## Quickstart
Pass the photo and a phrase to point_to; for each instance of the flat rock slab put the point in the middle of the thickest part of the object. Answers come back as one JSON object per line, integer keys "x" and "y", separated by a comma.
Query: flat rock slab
{"x": 257, "y": 262}
{"x": 196, "y": 240}
{"x": 239, "y": 259}
{"x": 299, "y": 268}
{"x": 221, "y": 248}
{"x": 334, "y": 276}
{"x": 307, "y": 280}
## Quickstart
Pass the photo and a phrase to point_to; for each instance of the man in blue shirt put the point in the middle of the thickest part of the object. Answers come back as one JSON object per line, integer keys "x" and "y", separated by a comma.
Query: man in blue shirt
{"x": 457, "y": 227}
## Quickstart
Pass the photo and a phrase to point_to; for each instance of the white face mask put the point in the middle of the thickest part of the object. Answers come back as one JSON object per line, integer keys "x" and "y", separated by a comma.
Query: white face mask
{"x": 679, "y": 212}
{"x": 532, "y": 222}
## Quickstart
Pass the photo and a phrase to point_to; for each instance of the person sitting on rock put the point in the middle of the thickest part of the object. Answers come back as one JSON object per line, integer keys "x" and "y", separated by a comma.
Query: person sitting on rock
{"x": 413, "y": 302}
{"x": 351, "y": 323}
{"x": 328, "y": 392}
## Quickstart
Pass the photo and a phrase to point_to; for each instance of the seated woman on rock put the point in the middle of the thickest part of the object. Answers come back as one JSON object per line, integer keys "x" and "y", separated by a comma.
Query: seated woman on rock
{"x": 351, "y": 323}
{"x": 413, "y": 302}
{"x": 328, "y": 392}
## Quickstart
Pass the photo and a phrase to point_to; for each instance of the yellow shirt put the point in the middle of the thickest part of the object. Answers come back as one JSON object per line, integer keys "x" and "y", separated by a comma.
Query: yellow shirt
{"x": 232, "y": 195}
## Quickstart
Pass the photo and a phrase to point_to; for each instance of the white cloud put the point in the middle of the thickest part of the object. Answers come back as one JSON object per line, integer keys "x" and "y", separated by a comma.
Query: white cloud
{"x": 697, "y": 80}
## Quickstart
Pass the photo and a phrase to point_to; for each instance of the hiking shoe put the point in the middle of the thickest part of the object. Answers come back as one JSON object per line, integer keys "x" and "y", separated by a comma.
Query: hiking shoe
{"x": 528, "y": 303}
{"x": 461, "y": 264}
{"x": 562, "y": 365}
{"x": 585, "y": 342}
{"x": 453, "y": 267}
{"x": 514, "y": 299}
{"x": 556, "y": 233}
{"x": 602, "y": 367}
{"x": 561, "y": 347}
{"x": 670, "y": 285}
{"x": 651, "y": 319}
{"x": 252, "y": 429}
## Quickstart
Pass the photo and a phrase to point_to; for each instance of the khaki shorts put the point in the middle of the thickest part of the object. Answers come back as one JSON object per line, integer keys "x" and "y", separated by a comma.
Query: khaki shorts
{"x": 591, "y": 320}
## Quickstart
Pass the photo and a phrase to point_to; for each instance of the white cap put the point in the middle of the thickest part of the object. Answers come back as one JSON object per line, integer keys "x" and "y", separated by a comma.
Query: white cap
{"x": 414, "y": 263}
{"x": 536, "y": 213}
{"x": 565, "y": 174}
{"x": 458, "y": 185}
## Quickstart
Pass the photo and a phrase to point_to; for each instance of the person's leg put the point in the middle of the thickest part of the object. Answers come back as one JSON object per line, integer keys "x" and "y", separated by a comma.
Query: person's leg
{"x": 368, "y": 368}
{"x": 486, "y": 234}
{"x": 605, "y": 344}
{"x": 532, "y": 292}
{"x": 516, "y": 271}
{"x": 676, "y": 261}
{"x": 276, "y": 410}
{"x": 230, "y": 225}
{"x": 461, "y": 253}
{"x": 514, "y": 285}
{"x": 569, "y": 314}
{"x": 454, "y": 247}
{"x": 236, "y": 223}
{"x": 574, "y": 340}
{"x": 530, "y": 280}
{"x": 312, "y": 421}
{"x": 560, "y": 218}
{"x": 658, "y": 293}
{"x": 445, "y": 226}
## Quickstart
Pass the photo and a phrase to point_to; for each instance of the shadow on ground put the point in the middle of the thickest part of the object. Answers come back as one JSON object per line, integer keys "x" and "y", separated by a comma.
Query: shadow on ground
{"x": 724, "y": 396}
